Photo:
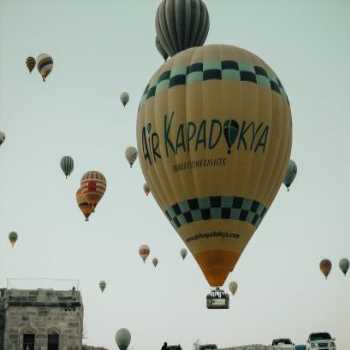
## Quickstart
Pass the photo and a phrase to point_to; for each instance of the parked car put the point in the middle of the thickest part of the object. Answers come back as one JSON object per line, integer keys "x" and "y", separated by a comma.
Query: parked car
{"x": 283, "y": 343}
{"x": 300, "y": 347}
{"x": 320, "y": 341}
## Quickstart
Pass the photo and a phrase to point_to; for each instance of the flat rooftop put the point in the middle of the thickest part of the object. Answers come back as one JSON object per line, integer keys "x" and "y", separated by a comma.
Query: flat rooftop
{"x": 40, "y": 297}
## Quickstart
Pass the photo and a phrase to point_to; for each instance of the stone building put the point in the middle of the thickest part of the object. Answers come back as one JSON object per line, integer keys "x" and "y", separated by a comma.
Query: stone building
{"x": 42, "y": 319}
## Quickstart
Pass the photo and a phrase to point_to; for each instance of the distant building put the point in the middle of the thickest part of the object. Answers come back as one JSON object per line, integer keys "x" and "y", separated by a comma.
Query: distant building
{"x": 42, "y": 319}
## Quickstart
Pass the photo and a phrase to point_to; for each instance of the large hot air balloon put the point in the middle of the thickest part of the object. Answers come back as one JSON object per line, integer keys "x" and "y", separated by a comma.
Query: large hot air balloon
{"x": 131, "y": 155}
{"x": 102, "y": 286}
{"x": 67, "y": 165}
{"x": 93, "y": 185}
{"x": 325, "y": 267}
{"x": 344, "y": 265}
{"x": 214, "y": 131}
{"x": 13, "y": 237}
{"x": 144, "y": 252}
{"x": 124, "y": 98}
{"x": 183, "y": 253}
{"x": 291, "y": 173}
{"x": 181, "y": 24}
{"x": 155, "y": 262}
{"x": 161, "y": 49}
{"x": 44, "y": 65}
{"x": 123, "y": 338}
{"x": 30, "y": 63}
{"x": 233, "y": 287}
{"x": 146, "y": 189}
{"x": 2, "y": 137}
{"x": 85, "y": 207}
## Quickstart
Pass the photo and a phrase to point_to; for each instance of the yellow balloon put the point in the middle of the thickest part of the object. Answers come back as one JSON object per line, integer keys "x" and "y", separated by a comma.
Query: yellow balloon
{"x": 214, "y": 135}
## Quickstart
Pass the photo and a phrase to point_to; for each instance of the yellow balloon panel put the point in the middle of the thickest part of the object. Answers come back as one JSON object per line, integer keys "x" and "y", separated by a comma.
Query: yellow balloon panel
{"x": 214, "y": 135}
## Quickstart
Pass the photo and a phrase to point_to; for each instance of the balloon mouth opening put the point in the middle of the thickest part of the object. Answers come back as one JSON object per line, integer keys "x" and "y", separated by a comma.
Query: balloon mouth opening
{"x": 216, "y": 265}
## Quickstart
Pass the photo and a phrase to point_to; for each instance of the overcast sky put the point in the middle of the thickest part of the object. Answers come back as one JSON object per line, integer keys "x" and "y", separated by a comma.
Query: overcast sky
{"x": 101, "y": 48}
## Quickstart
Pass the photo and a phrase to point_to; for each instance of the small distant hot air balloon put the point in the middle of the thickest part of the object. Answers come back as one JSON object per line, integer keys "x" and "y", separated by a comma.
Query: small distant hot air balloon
{"x": 233, "y": 287}
{"x": 146, "y": 189}
{"x": 44, "y": 65}
{"x": 144, "y": 252}
{"x": 102, "y": 286}
{"x": 67, "y": 165}
{"x": 30, "y": 63}
{"x": 155, "y": 262}
{"x": 93, "y": 185}
{"x": 2, "y": 137}
{"x": 123, "y": 338}
{"x": 291, "y": 173}
{"x": 181, "y": 24}
{"x": 344, "y": 265}
{"x": 13, "y": 236}
{"x": 131, "y": 155}
{"x": 83, "y": 204}
{"x": 124, "y": 98}
{"x": 161, "y": 49}
{"x": 326, "y": 267}
{"x": 183, "y": 253}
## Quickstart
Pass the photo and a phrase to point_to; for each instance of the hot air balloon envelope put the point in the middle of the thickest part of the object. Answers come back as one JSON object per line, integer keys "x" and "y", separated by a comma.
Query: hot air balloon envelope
{"x": 44, "y": 65}
{"x": 144, "y": 252}
{"x": 85, "y": 207}
{"x": 146, "y": 189}
{"x": 102, "y": 286}
{"x": 67, "y": 165}
{"x": 123, "y": 338}
{"x": 30, "y": 63}
{"x": 155, "y": 262}
{"x": 233, "y": 287}
{"x": 124, "y": 98}
{"x": 183, "y": 253}
{"x": 181, "y": 24}
{"x": 326, "y": 267}
{"x": 2, "y": 137}
{"x": 291, "y": 173}
{"x": 131, "y": 155}
{"x": 344, "y": 265}
{"x": 93, "y": 185}
{"x": 13, "y": 237}
{"x": 214, "y": 133}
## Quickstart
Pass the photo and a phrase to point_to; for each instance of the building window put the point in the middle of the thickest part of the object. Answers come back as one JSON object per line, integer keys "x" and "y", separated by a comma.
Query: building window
{"x": 53, "y": 342}
{"x": 28, "y": 341}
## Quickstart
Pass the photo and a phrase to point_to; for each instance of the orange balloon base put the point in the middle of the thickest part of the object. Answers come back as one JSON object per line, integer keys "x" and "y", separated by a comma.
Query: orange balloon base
{"x": 216, "y": 265}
